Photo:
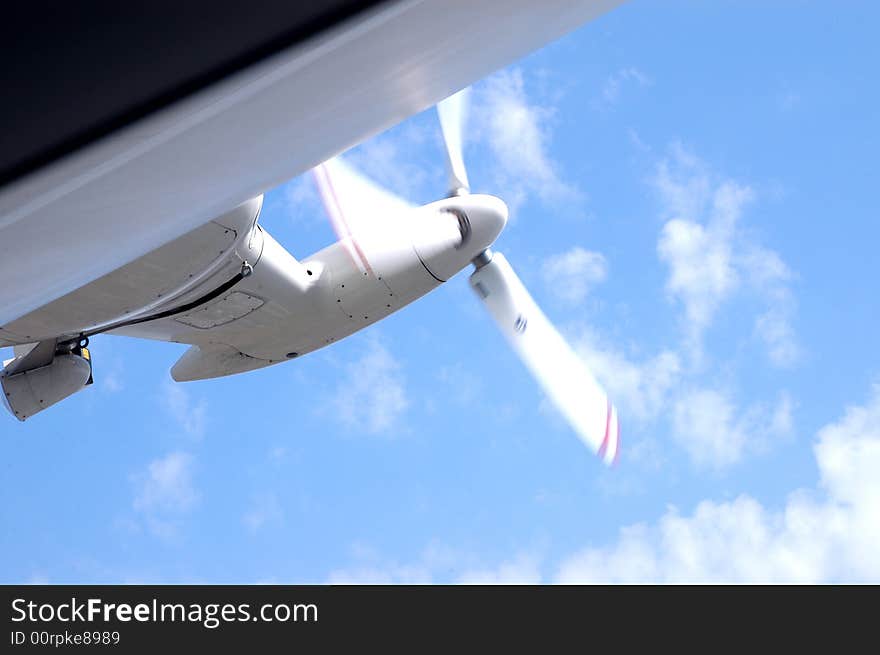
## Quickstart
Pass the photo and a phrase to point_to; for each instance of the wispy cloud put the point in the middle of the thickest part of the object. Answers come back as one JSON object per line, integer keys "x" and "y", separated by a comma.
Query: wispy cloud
{"x": 396, "y": 160}
{"x": 514, "y": 126}
{"x": 827, "y": 534}
{"x": 189, "y": 414}
{"x": 166, "y": 485}
{"x": 371, "y": 568}
{"x": 715, "y": 433}
{"x": 517, "y": 131}
{"x": 301, "y": 202}
{"x": 373, "y": 575}
{"x": 371, "y": 397}
{"x": 697, "y": 243}
{"x": 640, "y": 387}
{"x": 706, "y": 422}
{"x": 524, "y": 568}
{"x": 615, "y": 83}
{"x": 710, "y": 256}
{"x": 571, "y": 275}
{"x": 782, "y": 421}
{"x": 437, "y": 563}
{"x": 770, "y": 277}
{"x": 164, "y": 493}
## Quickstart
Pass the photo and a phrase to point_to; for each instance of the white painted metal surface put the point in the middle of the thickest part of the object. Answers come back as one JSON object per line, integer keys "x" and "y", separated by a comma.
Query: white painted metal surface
{"x": 171, "y": 275}
{"x": 28, "y": 393}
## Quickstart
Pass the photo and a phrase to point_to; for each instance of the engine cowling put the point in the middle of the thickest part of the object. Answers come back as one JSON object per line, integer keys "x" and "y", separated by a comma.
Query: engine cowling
{"x": 30, "y": 392}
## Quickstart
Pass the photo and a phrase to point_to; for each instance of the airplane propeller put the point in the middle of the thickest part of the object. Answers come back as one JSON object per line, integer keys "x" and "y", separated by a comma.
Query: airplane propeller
{"x": 453, "y": 119}
{"x": 561, "y": 373}
{"x": 553, "y": 363}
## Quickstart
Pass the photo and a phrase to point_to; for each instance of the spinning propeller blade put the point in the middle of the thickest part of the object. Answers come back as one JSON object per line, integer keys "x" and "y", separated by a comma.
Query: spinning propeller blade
{"x": 355, "y": 204}
{"x": 557, "y": 368}
{"x": 453, "y": 119}
{"x": 361, "y": 212}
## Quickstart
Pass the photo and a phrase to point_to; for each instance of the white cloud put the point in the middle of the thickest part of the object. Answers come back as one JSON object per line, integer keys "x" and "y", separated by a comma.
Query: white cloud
{"x": 516, "y": 130}
{"x": 373, "y": 575}
{"x": 572, "y": 274}
{"x": 372, "y": 396}
{"x": 715, "y": 434}
{"x": 830, "y": 534}
{"x": 705, "y": 425}
{"x": 166, "y": 486}
{"x": 705, "y": 422}
{"x": 394, "y": 160}
{"x": 709, "y": 255}
{"x": 514, "y": 126}
{"x": 640, "y": 389}
{"x": 371, "y": 568}
{"x": 189, "y": 415}
{"x": 435, "y": 564}
{"x": 826, "y": 534}
{"x": 683, "y": 184}
{"x": 775, "y": 330}
{"x": 848, "y": 455}
{"x": 522, "y": 569}
{"x": 770, "y": 277}
{"x": 782, "y": 422}
{"x": 702, "y": 273}
{"x": 302, "y": 203}
{"x": 617, "y": 80}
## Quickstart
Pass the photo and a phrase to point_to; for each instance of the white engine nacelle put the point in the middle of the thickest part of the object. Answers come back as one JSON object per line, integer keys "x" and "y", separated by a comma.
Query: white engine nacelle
{"x": 30, "y": 392}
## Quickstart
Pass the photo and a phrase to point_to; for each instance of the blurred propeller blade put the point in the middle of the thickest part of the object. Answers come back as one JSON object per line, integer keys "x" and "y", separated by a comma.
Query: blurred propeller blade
{"x": 557, "y": 368}
{"x": 363, "y": 214}
{"x": 453, "y": 120}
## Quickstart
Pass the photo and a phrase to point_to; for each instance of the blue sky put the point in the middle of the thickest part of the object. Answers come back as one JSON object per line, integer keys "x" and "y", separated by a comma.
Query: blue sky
{"x": 693, "y": 195}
